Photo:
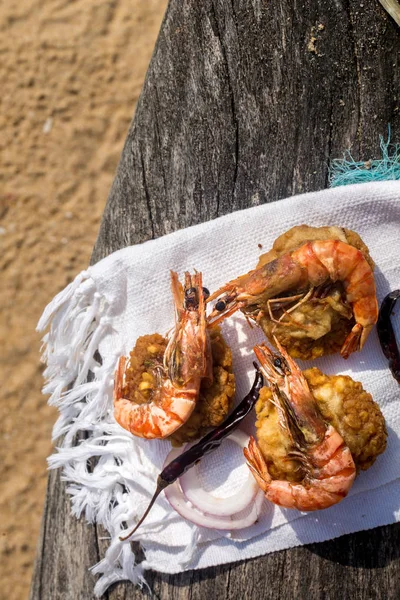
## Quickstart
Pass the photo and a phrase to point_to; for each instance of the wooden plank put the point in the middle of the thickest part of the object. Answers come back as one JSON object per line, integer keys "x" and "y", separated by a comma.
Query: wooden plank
{"x": 244, "y": 102}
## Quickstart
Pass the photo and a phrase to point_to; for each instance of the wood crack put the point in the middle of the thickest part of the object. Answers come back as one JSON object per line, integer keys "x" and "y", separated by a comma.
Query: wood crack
{"x": 215, "y": 27}
{"x": 43, "y": 543}
{"x": 358, "y": 68}
{"x": 156, "y": 113}
{"x": 329, "y": 143}
{"x": 97, "y": 548}
{"x": 228, "y": 584}
{"x": 217, "y": 199}
{"x": 146, "y": 192}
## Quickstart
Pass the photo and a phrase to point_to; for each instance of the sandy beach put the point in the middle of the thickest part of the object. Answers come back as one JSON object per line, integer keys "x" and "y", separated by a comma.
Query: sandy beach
{"x": 71, "y": 74}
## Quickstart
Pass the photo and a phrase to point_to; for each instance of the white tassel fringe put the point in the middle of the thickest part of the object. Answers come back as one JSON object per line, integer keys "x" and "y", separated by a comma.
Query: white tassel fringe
{"x": 98, "y": 469}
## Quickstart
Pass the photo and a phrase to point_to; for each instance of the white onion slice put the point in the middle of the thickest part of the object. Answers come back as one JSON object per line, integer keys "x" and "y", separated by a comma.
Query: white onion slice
{"x": 240, "y": 520}
{"x": 236, "y": 520}
{"x": 206, "y": 502}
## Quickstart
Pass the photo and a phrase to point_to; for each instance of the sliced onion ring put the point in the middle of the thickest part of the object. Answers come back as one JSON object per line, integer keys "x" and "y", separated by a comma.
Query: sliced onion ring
{"x": 235, "y": 520}
{"x": 206, "y": 502}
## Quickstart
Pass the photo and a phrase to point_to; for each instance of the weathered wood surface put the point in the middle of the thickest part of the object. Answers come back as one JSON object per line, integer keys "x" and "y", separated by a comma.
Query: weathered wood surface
{"x": 245, "y": 102}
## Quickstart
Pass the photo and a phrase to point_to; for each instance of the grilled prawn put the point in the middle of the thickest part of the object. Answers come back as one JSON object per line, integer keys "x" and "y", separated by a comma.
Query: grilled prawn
{"x": 173, "y": 387}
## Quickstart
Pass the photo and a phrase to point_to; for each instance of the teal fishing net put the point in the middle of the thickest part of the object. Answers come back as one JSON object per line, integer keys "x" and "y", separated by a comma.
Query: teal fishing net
{"x": 346, "y": 171}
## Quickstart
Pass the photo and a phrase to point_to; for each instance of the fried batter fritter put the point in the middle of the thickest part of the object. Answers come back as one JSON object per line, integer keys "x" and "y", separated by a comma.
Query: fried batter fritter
{"x": 215, "y": 399}
{"x": 325, "y": 320}
{"x": 344, "y": 404}
{"x": 328, "y": 321}
{"x": 145, "y": 361}
{"x": 351, "y": 410}
{"x": 300, "y": 234}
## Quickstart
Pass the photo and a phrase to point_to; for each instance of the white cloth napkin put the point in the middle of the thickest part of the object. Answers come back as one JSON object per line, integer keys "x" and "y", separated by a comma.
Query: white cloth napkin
{"x": 107, "y": 307}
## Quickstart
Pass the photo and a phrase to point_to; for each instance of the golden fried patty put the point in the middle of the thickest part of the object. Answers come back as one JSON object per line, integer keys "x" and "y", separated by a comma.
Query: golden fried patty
{"x": 344, "y": 404}
{"x": 300, "y": 234}
{"x": 143, "y": 378}
{"x": 320, "y": 325}
{"x": 145, "y": 362}
{"x": 316, "y": 327}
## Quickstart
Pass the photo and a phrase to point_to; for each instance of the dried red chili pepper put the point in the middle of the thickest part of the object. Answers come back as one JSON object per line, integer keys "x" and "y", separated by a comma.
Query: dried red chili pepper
{"x": 207, "y": 444}
{"x": 386, "y": 334}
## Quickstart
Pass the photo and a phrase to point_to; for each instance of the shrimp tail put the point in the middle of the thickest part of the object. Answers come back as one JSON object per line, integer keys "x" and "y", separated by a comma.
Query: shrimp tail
{"x": 353, "y": 341}
{"x": 257, "y": 464}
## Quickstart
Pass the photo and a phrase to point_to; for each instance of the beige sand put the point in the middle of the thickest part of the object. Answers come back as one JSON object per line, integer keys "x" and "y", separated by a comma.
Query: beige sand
{"x": 70, "y": 75}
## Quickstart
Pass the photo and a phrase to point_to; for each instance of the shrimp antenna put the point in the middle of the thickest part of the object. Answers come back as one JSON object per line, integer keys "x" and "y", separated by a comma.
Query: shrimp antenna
{"x": 161, "y": 484}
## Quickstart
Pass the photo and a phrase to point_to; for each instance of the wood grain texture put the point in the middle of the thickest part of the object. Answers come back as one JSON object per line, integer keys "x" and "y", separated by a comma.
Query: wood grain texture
{"x": 244, "y": 102}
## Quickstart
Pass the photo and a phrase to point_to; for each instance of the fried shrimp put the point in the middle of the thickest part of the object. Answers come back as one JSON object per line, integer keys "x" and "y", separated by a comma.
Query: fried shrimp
{"x": 327, "y": 464}
{"x": 344, "y": 404}
{"x": 173, "y": 386}
{"x": 317, "y": 270}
